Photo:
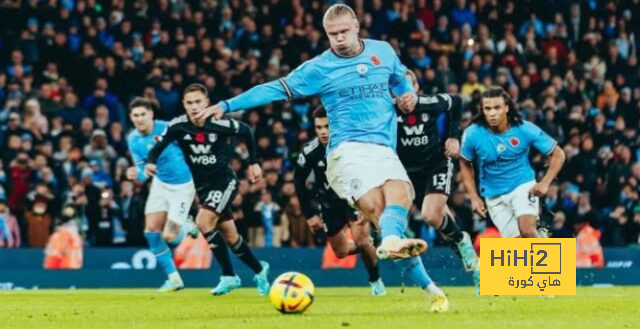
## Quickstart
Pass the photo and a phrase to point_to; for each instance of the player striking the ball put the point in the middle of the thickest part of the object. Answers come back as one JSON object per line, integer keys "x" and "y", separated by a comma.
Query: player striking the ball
{"x": 205, "y": 144}
{"x": 353, "y": 80}
{"x": 326, "y": 212}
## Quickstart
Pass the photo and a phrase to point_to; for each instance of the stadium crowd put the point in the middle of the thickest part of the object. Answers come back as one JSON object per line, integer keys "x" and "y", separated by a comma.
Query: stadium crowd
{"x": 70, "y": 67}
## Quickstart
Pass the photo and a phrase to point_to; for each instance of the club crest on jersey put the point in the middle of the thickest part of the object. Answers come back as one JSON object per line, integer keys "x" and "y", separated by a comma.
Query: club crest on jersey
{"x": 213, "y": 137}
{"x": 425, "y": 117}
{"x": 200, "y": 137}
{"x": 514, "y": 141}
{"x": 355, "y": 184}
{"x": 501, "y": 148}
{"x": 362, "y": 69}
{"x": 187, "y": 137}
{"x": 375, "y": 60}
{"x": 157, "y": 138}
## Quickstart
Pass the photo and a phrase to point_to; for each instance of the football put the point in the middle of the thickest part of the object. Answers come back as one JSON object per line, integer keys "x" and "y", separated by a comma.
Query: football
{"x": 292, "y": 292}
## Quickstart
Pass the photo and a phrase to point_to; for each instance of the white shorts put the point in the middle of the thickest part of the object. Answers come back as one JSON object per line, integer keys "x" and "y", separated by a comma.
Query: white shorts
{"x": 505, "y": 209}
{"x": 355, "y": 168}
{"x": 174, "y": 199}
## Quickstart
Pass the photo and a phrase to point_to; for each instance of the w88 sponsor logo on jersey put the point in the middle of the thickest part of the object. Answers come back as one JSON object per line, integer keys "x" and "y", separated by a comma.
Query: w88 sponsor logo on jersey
{"x": 203, "y": 159}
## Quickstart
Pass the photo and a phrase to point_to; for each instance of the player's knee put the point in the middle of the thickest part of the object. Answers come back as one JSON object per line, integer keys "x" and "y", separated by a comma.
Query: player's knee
{"x": 341, "y": 253}
{"x": 230, "y": 237}
{"x": 152, "y": 227}
{"x": 433, "y": 215}
{"x": 169, "y": 236}
{"x": 528, "y": 232}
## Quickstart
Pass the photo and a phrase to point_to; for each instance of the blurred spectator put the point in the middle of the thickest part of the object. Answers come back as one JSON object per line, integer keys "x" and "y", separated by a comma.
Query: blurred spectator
{"x": 588, "y": 248}
{"x": 193, "y": 254}
{"x": 269, "y": 213}
{"x": 39, "y": 217}
{"x": 64, "y": 248}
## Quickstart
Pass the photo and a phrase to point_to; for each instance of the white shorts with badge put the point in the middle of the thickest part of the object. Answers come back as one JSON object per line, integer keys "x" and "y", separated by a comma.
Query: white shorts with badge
{"x": 174, "y": 199}
{"x": 355, "y": 168}
{"x": 505, "y": 209}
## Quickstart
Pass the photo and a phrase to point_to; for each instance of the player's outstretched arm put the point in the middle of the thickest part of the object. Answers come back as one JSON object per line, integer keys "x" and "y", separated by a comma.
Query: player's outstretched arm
{"x": 305, "y": 80}
{"x": 469, "y": 181}
{"x": 555, "y": 165}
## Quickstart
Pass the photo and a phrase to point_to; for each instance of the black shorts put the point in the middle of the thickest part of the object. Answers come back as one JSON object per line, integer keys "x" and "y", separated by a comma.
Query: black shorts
{"x": 218, "y": 195}
{"x": 435, "y": 179}
{"x": 336, "y": 214}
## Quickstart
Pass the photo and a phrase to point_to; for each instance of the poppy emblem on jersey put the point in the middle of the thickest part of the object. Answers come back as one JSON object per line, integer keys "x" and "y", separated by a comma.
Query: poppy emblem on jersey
{"x": 157, "y": 138}
{"x": 375, "y": 60}
{"x": 199, "y": 137}
{"x": 514, "y": 141}
{"x": 425, "y": 117}
{"x": 501, "y": 147}
{"x": 362, "y": 69}
{"x": 411, "y": 120}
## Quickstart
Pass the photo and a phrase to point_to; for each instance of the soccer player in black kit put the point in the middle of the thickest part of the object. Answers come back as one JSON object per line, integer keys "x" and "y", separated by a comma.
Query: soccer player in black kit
{"x": 326, "y": 211}
{"x": 429, "y": 165}
{"x": 207, "y": 150}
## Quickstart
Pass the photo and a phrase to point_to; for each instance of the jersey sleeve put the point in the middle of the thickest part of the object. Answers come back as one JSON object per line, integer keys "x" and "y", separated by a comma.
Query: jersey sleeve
{"x": 302, "y": 170}
{"x": 467, "y": 149}
{"x": 301, "y": 82}
{"x": 168, "y": 136}
{"x": 539, "y": 139}
{"x": 305, "y": 80}
{"x": 137, "y": 157}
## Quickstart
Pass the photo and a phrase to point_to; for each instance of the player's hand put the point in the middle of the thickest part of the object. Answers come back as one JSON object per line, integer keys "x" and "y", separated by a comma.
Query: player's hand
{"x": 315, "y": 224}
{"x": 452, "y": 148}
{"x": 407, "y": 102}
{"x": 540, "y": 189}
{"x": 478, "y": 207}
{"x": 254, "y": 173}
{"x": 215, "y": 111}
{"x": 132, "y": 173}
{"x": 150, "y": 169}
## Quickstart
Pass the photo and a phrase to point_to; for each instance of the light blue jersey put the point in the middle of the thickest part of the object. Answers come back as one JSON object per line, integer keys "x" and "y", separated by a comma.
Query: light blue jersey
{"x": 355, "y": 91}
{"x": 172, "y": 168}
{"x": 503, "y": 159}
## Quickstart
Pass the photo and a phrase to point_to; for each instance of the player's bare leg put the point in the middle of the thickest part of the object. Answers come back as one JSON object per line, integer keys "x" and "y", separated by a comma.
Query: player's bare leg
{"x": 437, "y": 214}
{"x": 397, "y": 198}
{"x": 242, "y": 250}
{"x": 362, "y": 237}
{"x": 207, "y": 220}
{"x": 153, "y": 228}
{"x": 528, "y": 226}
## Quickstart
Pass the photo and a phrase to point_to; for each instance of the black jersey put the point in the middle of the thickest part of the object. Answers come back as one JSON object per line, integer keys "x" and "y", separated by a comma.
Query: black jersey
{"x": 419, "y": 145}
{"x": 207, "y": 149}
{"x": 313, "y": 158}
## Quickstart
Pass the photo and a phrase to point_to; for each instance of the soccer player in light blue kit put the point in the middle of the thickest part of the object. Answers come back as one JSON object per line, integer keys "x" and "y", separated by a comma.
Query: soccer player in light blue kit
{"x": 499, "y": 142}
{"x": 171, "y": 192}
{"x": 354, "y": 80}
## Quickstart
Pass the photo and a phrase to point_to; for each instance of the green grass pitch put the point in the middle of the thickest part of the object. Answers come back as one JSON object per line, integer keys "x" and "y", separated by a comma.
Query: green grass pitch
{"x": 603, "y": 308}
